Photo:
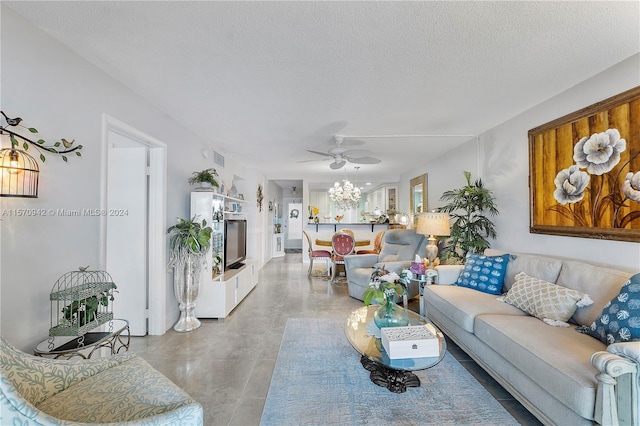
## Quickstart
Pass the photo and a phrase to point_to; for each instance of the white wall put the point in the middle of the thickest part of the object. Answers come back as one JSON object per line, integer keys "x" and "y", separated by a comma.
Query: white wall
{"x": 504, "y": 167}
{"x": 62, "y": 95}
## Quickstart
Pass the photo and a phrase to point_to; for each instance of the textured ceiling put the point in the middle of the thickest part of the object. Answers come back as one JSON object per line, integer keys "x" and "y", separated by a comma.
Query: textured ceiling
{"x": 265, "y": 81}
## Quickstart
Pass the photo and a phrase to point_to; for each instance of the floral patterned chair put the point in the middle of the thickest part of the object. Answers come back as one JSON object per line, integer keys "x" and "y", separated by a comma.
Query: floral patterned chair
{"x": 119, "y": 390}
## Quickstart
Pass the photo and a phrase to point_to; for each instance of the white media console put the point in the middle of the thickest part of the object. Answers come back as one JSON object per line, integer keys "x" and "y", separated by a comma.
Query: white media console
{"x": 221, "y": 290}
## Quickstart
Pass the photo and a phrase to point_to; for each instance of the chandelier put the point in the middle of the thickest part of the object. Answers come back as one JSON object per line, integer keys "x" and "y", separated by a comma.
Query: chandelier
{"x": 345, "y": 196}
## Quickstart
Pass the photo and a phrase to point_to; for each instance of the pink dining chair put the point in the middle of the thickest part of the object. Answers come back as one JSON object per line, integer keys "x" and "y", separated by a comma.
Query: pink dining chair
{"x": 317, "y": 254}
{"x": 343, "y": 243}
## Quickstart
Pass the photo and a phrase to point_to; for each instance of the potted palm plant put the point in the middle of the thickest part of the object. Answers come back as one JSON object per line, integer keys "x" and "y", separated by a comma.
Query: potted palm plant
{"x": 469, "y": 208}
{"x": 206, "y": 178}
{"x": 189, "y": 242}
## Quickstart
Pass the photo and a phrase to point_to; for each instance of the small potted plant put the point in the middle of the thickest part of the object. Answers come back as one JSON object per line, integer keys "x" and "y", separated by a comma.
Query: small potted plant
{"x": 206, "y": 178}
{"x": 384, "y": 287}
{"x": 392, "y": 216}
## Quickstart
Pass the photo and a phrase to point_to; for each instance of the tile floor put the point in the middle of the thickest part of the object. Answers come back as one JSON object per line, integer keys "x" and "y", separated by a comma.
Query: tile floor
{"x": 227, "y": 365}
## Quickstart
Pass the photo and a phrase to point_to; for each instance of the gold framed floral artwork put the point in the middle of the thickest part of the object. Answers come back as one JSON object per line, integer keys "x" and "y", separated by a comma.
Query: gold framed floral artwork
{"x": 584, "y": 171}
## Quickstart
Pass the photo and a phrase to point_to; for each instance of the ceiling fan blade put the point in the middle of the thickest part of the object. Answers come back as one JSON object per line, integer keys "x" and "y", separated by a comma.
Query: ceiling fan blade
{"x": 365, "y": 160}
{"x": 316, "y": 160}
{"x": 347, "y": 141}
{"x": 358, "y": 153}
{"x": 337, "y": 165}
{"x": 319, "y": 153}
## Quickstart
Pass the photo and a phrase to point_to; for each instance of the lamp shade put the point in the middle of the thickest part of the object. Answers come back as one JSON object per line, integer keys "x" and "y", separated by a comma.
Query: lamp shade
{"x": 18, "y": 174}
{"x": 434, "y": 224}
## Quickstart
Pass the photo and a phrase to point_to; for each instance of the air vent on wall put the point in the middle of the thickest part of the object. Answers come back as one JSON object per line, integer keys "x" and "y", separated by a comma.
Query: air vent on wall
{"x": 218, "y": 159}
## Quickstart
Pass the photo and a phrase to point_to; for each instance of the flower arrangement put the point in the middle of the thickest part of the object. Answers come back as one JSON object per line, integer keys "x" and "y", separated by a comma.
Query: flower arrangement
{"x": 599, "y": 154}
{"x": 383, "y": 281}
{"x": 313, "y": 212}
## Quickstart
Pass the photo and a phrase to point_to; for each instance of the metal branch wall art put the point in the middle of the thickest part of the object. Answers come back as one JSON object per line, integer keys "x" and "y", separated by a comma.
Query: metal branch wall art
{"x": 19, "y": 171}
{"x": 61, "y": 147}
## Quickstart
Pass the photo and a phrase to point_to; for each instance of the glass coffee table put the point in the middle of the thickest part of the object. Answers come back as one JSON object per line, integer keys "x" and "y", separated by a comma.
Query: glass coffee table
{"x": 394, "y": 374}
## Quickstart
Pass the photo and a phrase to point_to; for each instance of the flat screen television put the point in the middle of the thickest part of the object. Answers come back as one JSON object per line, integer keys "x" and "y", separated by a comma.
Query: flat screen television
{"x": 235, "y": 242}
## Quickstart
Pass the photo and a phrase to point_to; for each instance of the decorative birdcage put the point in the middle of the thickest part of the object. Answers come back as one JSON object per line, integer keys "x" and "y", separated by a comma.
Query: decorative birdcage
{"x": 81, "y": 301}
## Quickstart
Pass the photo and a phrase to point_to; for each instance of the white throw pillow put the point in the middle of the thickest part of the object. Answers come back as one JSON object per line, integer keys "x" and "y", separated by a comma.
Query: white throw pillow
{"x": 549, "y": 302}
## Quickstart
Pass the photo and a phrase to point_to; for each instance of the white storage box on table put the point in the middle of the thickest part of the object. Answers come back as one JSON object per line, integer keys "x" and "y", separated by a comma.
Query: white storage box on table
{"x": 413, "y": 341}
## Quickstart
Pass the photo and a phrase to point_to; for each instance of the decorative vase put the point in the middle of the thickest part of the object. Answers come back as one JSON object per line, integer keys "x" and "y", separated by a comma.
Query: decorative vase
{"x": 186, "y": 282}
{"x": 389, "y": 314}
{"x": 206, "y": 186}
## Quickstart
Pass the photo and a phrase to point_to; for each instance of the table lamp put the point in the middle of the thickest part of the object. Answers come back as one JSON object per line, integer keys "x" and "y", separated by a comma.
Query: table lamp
{"x": 433, "y": 225}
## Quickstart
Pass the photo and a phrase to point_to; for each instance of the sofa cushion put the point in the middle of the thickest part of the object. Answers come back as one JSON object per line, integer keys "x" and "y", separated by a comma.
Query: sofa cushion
{"x": 600, "y": 283}
{"x": 558, "y": 359}
{"x": 484, "y": 273}
{"x": 462, "y": 305}
{"x": 549, "y": 302}
{"x": 544, "y": 268}
{"x": 620, "y": 319}
{"x": 130, "y": 391}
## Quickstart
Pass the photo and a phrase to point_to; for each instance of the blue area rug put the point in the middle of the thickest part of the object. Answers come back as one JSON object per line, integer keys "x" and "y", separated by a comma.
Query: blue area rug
{"x": 318, "y": 380}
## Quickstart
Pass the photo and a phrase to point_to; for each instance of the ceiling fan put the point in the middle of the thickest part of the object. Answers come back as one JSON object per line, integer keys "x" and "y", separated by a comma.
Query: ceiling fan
{"x": 341, "y": 154}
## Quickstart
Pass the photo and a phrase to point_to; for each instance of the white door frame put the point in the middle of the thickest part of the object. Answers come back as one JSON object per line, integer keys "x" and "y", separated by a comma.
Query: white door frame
{"x": 157, "y": 216}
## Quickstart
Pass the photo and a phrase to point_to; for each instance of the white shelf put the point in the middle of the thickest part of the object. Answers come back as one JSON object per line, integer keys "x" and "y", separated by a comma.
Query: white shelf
{"x": 219, "y": 295}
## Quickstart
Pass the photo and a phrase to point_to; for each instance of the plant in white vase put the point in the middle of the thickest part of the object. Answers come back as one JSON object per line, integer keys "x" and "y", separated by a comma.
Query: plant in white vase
{"x": 188, "y": 245}
{"x": 206, "y": 178}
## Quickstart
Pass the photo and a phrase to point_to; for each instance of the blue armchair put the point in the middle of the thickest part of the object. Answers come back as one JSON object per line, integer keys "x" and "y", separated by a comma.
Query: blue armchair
{"x": 399, "y": 249}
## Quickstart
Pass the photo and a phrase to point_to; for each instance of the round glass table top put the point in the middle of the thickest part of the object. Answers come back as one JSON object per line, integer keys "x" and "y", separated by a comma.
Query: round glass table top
{"x": 364, "y": 336}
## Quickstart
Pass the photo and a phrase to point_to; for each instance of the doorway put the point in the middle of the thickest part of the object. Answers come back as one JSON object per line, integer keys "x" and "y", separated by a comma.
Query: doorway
{"x": 293, "y": 223}
{"x": 133, "y": 221}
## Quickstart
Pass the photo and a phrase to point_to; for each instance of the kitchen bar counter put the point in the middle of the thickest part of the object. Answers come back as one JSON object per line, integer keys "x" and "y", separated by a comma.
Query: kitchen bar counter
{"x": 340, "y": 225}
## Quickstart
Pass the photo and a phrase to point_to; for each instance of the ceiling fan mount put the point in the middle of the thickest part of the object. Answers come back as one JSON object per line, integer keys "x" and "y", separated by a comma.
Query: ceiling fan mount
{"x": 341, "y": 154}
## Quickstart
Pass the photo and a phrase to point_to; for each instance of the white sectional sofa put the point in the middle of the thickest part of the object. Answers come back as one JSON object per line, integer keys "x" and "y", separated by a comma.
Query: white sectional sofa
{"x": 562, "y": 376}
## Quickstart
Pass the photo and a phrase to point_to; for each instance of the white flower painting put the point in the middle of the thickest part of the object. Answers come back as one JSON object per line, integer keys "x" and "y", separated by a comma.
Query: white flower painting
{"x": 599, "y": 154}
{"x": 631, "y": 187}
{"x": 570, "y": 185}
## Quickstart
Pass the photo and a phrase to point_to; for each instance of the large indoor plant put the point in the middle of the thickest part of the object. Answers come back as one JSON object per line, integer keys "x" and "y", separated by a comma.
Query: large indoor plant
{"x": 189, "y": 242}
{"x": 469, "y": 208}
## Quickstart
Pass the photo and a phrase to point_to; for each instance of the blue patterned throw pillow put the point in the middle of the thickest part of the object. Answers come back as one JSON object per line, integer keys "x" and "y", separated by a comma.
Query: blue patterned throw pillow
{"x": 484, "y": 273}
{"x": 620, "y": 318}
